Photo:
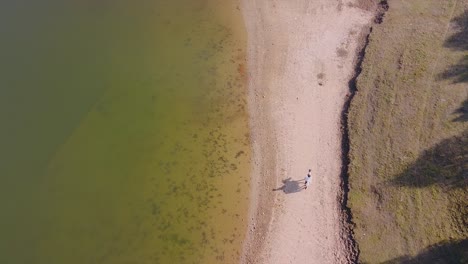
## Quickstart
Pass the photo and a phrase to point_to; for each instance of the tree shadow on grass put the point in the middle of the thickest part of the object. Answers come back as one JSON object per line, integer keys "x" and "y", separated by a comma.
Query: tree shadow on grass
{"x": 444, "y": 165}
{"x": 458, "y": 72}
{"x": 290, "y": 186}
{"x": 458, "y": 42}
{"x": 462, "y": 112}
{"x": 441, "y": 253}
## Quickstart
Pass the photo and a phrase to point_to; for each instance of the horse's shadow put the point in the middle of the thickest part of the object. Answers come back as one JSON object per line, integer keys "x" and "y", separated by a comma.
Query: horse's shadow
{"x": 290, "y": 186}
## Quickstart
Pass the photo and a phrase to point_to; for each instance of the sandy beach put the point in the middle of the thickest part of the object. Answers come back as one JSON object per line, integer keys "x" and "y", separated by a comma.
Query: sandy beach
{"x": 301, "y": 57}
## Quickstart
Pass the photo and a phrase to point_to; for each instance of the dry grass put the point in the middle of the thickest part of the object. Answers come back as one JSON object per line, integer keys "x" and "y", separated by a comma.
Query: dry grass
{"x": 409, "y": 137}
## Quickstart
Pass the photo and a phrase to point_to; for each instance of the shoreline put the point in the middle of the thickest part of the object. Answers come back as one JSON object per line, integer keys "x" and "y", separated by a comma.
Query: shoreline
{"x": 300, "y": 57}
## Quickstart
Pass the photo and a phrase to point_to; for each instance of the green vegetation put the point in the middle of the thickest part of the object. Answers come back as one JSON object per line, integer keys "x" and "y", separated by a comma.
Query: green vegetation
{"x": 409, "y": 138}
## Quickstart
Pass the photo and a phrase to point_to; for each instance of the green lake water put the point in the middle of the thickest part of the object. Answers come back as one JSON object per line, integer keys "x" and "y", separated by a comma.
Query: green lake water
{"x": 124, "y": 131}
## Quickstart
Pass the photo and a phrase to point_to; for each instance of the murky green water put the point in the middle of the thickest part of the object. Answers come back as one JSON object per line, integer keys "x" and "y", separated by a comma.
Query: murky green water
{"x": 124, "y": 135}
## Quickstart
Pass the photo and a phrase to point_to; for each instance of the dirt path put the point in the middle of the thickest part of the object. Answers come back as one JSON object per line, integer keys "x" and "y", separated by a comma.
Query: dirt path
{"x": 301, "y": 57}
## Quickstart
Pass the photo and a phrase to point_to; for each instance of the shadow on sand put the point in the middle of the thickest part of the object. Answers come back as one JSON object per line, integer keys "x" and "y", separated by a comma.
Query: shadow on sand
{"x": 290, "y": 186}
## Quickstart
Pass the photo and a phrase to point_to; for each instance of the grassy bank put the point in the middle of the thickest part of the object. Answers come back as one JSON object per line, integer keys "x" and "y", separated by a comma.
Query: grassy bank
{"x": 409, "y": 136}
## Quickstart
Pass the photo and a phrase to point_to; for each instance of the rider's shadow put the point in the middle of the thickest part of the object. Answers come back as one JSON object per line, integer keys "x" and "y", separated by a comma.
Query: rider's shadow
{"x": 290, "y": 186}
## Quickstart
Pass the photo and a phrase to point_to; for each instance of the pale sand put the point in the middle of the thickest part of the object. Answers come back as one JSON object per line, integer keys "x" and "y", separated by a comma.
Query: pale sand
{"x": 295, "y": 126}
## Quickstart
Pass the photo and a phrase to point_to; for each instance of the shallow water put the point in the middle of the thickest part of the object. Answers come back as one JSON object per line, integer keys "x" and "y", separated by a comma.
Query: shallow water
{"x": 124, "y": 132}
